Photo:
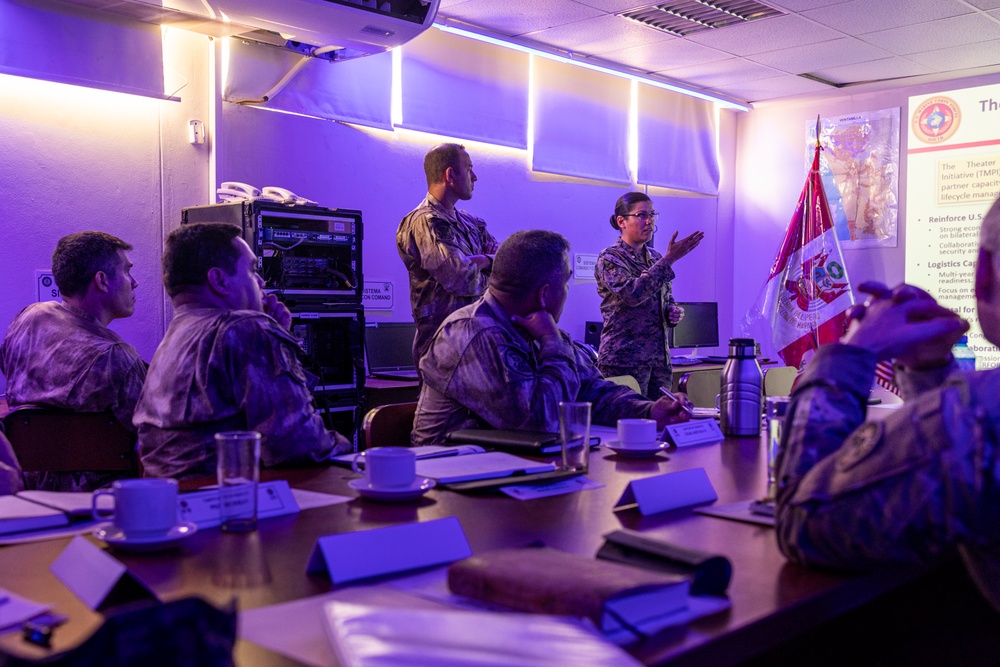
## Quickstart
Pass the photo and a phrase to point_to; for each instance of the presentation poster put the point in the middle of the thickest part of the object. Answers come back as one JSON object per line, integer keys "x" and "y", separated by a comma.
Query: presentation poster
{"x": 953, "y": 175}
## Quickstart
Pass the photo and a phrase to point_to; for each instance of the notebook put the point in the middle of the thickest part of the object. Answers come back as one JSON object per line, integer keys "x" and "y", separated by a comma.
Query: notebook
{"x": 389, "y": 350}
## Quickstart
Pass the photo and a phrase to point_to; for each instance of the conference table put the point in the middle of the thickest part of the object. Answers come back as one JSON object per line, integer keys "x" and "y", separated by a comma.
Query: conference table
{"x": 772, "y": 600}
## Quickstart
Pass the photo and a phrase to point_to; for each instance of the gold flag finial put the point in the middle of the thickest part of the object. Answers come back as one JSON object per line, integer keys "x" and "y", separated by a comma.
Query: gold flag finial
{"x": 817, "y": 131}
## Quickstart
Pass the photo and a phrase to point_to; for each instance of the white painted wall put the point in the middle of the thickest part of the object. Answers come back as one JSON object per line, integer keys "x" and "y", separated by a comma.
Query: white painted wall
{"x": 381, "y": 173}
{"x": 770, "y": 173}
{"x": 73, "y": 159}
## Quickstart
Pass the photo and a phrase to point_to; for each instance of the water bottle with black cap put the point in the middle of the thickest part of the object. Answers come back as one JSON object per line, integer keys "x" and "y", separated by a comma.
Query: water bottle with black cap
{"x": 740, "y": 401}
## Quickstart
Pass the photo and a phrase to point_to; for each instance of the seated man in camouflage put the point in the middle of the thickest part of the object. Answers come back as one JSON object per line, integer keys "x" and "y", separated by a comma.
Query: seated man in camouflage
{"x": 921, "y": 483}
{"x": 64, "y": 355}
{"x": 227, "y": 362}
{"x": 503, "y": 363}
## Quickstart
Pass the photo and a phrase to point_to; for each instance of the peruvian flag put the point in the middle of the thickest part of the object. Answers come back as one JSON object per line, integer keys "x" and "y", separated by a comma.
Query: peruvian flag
{"x": 807, "y": 294}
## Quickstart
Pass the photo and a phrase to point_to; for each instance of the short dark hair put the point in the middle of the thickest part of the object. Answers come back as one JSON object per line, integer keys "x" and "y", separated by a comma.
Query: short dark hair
{"x": 191, "y": 250}
{"x": 528, "y": 259}
{"x": 626, "y": 202}
{"x": 78, "y": 257}
{"x": 440, "y": 158}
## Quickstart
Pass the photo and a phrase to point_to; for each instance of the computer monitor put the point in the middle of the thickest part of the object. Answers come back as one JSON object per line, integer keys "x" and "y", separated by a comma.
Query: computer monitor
{"x": 700, "y": 326}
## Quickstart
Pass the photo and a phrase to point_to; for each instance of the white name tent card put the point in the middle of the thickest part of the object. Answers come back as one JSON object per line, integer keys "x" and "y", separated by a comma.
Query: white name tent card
{"x": 696, "y": 432}
{"x": 96, "y": 577}
{"x": 669, "y": 491}
{"x": 371, "y": 553}
{"x": 202, "y": 507}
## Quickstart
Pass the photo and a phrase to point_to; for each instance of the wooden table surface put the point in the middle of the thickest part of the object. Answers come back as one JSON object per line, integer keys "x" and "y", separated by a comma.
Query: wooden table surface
{"x": 772, "y": 600}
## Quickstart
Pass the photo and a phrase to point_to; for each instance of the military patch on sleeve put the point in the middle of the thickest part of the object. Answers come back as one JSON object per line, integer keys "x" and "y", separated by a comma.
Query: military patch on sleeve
{"x": 516, "y": 365}
{"x": 442, "y": 229}
{"x": 859, "y": 445}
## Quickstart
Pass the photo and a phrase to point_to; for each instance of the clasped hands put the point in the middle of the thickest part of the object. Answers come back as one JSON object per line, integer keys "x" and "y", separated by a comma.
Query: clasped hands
{"x": 904, "y": 323}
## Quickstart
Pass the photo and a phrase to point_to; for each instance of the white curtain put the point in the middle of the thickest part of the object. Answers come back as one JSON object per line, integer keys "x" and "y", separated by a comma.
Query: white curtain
{"x": 581, "y": 121}
{"x": 357, "y": 90}
{"x": 460, "y": 87}
{"x": 677, "y": 141}
{"x": 66, "y": 44}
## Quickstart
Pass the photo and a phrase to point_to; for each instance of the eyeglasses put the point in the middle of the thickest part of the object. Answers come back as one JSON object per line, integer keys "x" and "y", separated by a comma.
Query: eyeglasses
{"x": 643, "y": 215}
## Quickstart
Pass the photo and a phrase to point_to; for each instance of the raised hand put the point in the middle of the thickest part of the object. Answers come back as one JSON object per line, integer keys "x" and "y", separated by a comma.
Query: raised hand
{"x": 677, "y": 249}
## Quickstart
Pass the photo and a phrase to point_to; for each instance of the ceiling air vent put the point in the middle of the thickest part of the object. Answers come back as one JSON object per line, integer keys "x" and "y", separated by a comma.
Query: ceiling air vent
{"x": 689, "y": 16}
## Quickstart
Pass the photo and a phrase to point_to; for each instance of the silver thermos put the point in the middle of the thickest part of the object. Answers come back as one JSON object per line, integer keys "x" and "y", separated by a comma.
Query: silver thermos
{"x": 740, "y": 401}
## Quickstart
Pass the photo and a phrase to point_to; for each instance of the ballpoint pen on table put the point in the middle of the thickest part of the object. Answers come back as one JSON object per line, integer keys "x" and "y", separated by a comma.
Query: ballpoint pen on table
{"x": 669, "y": 394}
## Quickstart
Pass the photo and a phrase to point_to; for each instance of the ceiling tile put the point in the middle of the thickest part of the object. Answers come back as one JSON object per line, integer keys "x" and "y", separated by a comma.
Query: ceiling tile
{"x": 518, "y": 17}
{"x": 809, "y": 58}
{"x": 780, "y": 32}
{"x": 615, "y": 6}
{"x": 953, "y": 31}
{"x": 964, "y": 56}
{"x": 775, "y": 87}
{"x": 721, "y": 73}
{"x": 599, "y": 35}
{"x": 861, "y": 16}
{"x": 874, "y": 70}
{"x": 666, "y": 55}
{"x": 802, "y": 5}
{"x": 985, "y": 4}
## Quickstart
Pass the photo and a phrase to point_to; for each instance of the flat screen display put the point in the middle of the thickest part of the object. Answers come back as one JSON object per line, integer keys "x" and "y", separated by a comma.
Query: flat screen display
{"x": 700, "y": 326}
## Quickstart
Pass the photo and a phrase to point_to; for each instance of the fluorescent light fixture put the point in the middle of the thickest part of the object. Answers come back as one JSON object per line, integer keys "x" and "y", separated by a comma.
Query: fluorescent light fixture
{"x": 539, "y": 50}
{"x": 396, "y": 96}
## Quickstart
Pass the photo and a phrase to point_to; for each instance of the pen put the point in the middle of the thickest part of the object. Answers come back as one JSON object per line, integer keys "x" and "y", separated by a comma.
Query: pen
{"x": 669, "y": 394}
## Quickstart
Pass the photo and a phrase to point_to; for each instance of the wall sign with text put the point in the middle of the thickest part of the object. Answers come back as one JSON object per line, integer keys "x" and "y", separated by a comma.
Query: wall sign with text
{"x": 377, "y": 295}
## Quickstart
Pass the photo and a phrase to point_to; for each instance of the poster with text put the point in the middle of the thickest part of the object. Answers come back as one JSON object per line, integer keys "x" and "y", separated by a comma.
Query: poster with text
{"x": 953, "y": 175}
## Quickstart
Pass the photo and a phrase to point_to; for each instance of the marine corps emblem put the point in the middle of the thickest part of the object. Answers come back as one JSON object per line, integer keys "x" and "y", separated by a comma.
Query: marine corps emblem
{"x": 936, "y": 119}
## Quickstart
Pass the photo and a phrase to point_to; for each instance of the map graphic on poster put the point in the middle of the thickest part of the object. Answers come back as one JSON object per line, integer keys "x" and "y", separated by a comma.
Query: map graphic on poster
{"x": 859, "y": 165}
{"x": 953, "y": 175}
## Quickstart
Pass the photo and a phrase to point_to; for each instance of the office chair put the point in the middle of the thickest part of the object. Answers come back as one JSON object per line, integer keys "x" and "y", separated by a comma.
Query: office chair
{"x": 47, "y": 439}
{"x": 701, "y": 387}
{"x": 626, "y": 380}
{"x": 778, "y": 381}
{"x": 389, "y": 425}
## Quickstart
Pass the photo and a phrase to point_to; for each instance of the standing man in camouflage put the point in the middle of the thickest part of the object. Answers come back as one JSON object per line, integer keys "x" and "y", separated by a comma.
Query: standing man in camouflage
{"x": 448, "y": 253}
{"x": 925, "y": 480}
{"x": 63, "y": 354}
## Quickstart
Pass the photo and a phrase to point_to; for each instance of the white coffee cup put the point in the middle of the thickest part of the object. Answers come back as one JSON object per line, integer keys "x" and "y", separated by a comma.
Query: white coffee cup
{"x": 387, "y": 467}
{"x": 142, "y": 507}
{"x": 636, "y": 432}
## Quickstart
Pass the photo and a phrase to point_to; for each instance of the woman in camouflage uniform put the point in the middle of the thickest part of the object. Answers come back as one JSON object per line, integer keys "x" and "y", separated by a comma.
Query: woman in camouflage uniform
{"x": 633, "y": 281}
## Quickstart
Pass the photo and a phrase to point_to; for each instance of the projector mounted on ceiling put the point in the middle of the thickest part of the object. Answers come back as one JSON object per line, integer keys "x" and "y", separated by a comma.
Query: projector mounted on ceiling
{"x": 356, "y": 28}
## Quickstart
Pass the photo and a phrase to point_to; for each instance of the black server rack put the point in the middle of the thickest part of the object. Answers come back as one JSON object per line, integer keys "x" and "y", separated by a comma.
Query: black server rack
{"x": 310, "y": 257}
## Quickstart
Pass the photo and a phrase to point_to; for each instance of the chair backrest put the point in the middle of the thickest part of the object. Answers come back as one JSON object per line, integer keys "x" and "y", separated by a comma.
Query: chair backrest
{"x": 626, "y": 380}
{"x": 701, "y": 387}
{"x": 47, "y": 439}
{"x": 778, "y": 380}
{"x": 389, "y": 425}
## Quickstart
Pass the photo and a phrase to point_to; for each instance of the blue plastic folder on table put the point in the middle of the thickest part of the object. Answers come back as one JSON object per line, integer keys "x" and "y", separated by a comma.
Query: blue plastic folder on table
{"x": 669, "y": 491}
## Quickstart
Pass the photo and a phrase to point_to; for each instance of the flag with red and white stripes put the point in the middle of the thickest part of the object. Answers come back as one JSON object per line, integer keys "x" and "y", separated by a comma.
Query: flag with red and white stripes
{"x": 808, "y": 292}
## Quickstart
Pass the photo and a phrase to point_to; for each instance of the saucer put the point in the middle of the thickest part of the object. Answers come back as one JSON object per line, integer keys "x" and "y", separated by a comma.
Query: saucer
{"x": 642, "y": 452}
{"x": 419, "y": 487}
{"x": 115, "y": 537}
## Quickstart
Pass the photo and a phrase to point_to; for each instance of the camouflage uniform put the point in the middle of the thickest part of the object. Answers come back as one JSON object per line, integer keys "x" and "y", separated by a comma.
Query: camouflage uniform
{"x": 57, "y": 355}
{"x": 10, "y": 472}
{"x": 219, "y": 370}
{"x": 854, "y": 494}
{"x": 435, "y": 244}
{"x": 634, "y": 287}
{"x": 479, "y": 372}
